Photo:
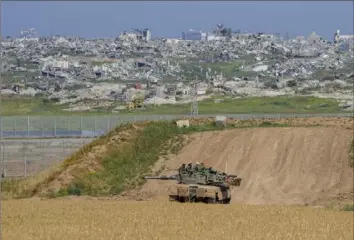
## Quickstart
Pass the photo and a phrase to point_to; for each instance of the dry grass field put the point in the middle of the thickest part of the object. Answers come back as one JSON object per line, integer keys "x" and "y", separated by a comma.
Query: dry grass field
{"x": 92, "y": 219}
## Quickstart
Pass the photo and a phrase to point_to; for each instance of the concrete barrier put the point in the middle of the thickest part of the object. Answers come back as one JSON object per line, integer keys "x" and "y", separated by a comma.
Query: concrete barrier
{"x": 182, "y": 123}
{"x": 220, "y": 121}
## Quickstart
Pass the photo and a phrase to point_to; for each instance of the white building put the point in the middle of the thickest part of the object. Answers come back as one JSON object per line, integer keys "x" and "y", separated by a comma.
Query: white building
{"x": 337, "y": 37}
{"x": 146, "y": 34}
{"x": 160, "y": 92}
{"x": 346, "y": 41}
{"x": 314, "y": 38}
{"x": 136, "y": 34}
{"x": 51, "y": 62}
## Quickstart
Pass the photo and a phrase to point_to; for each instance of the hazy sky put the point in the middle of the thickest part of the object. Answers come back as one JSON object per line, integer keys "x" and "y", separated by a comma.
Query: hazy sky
{"x": 107, "y": 19}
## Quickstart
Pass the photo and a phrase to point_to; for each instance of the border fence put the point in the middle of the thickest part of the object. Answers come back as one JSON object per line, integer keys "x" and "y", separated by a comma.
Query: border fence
{"x": 94, "y": 126}
{"x": 32, "y": 144}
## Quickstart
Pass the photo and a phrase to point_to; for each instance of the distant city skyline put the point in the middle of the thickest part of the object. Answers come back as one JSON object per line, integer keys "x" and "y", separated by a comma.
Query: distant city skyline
{"x": 170, "y": 19}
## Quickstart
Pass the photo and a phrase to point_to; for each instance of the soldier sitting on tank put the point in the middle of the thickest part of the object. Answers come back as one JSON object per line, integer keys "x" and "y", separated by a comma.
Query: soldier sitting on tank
{"x": 182, "y": 169}
{"x": 202, "y": 169}
{"x": 212, "y": 171}
{"x": 197, "y": 167}
{"x": 189, "y": 168}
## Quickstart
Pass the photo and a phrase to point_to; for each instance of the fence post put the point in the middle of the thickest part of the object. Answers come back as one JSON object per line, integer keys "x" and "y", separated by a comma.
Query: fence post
{"x": 25, "y": 161}
{"x": 41, "y": 120}
{"x": 108, "y": 124}
{"x": 14, "y": 126}
{"x": 67, "y": 126}
{"x": 94, "y": 130}
{"x": 63, "y": 145}
{"x": 3, "y": 159}
{"x": 1, "y": 126}
{"x": 28, "y": 126}
{"x": 81, "y": 126}
{"x": 55, "y": 126}
{"x": 44, "y": 163}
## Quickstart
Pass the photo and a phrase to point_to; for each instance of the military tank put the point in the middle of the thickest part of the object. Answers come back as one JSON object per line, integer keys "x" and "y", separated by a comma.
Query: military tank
{"x": 206, "y": 185}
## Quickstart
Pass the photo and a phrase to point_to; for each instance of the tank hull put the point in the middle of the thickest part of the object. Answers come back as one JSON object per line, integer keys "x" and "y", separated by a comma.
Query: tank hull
{"x": 199, "y": 193}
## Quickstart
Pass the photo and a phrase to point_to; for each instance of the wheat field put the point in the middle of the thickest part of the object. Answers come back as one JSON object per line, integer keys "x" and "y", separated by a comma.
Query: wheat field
{"x": 95, "y": 219}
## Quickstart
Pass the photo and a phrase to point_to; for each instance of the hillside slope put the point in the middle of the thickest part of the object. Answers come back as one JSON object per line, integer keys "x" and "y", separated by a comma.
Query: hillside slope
{"x": 278, "y": 165}
{"x": 280, "y": 160}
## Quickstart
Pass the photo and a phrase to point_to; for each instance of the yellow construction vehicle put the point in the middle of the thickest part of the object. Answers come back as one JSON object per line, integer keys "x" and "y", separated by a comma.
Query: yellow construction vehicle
{"x": 136, "y": 103}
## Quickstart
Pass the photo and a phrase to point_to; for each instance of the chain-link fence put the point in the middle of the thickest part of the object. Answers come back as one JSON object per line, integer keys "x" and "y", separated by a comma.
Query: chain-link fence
{"x": 32, "y": 144}
{"x": 24, "y": 157}
{"x": 93, "y": 126}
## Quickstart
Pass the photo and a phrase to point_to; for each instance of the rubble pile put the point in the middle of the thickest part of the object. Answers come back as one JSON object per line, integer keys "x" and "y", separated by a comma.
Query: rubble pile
{"x": 80, "y": 71}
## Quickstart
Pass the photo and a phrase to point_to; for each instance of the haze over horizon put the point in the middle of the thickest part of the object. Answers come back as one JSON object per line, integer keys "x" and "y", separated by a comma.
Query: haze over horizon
{"x": 169, "y": 19}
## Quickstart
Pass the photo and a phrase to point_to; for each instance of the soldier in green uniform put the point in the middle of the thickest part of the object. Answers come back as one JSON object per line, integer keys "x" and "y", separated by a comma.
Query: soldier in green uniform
{"x": 189, "y": 167}
{"x": 210, "y": 170}
{"x": 197, "y": 167}
{"x": 182, "y": 169}
{"x": 202, "y": 169}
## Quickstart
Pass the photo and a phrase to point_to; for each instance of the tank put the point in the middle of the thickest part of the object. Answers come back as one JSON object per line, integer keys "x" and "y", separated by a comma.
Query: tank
{"x": 206, "y": 185}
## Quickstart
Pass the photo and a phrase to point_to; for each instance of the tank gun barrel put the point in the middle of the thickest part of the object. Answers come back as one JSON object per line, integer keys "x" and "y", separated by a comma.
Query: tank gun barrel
{"x": 160, "y": 177}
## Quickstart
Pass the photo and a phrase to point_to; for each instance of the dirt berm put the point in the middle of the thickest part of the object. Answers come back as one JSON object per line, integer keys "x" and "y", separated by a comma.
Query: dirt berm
{"x": 302, "y": 165}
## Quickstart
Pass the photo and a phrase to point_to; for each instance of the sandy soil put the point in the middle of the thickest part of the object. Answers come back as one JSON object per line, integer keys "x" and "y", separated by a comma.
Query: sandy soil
{"x": 278, "y": 165}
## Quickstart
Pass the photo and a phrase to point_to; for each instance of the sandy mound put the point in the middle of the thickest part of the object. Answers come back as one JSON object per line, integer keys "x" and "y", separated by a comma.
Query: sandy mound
{"x": 278, "y": 165}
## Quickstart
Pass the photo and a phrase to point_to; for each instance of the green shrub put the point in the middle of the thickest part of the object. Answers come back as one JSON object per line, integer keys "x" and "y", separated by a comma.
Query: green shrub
{"x": 75, "y": 188}
{"x": 348, "y": 207}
